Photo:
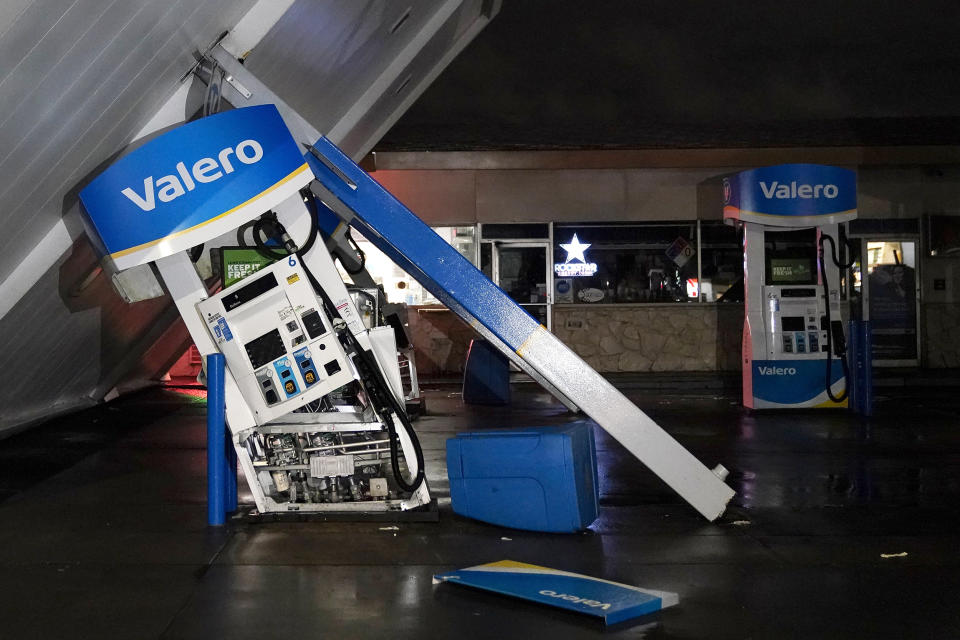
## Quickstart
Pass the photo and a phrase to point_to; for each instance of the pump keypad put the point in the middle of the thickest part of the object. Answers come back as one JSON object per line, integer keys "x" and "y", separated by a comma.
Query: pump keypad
{"x": 801, "y": 341}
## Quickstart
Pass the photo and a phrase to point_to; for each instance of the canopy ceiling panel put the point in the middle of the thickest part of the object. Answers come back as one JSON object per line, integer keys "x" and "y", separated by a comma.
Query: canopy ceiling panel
{"x": 79, "y": 79}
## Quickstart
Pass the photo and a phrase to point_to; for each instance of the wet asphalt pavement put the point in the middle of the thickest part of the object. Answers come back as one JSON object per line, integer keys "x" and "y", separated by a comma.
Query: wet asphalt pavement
{"x": 102, "y": 532}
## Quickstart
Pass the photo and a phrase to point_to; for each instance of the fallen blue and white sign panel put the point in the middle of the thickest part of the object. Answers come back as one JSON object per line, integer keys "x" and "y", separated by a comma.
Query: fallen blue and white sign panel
{"x": 612, "y": 601}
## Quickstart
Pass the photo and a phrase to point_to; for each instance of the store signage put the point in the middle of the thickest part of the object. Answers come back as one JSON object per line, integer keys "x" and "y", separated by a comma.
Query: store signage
{"x": 576, "y": 250}
{"x": 791, "y": 195}
{"x": 192, "y": 184}
{"x": 680, "y": 251}
{"x": 590, "y": 295}
{"x": 793, "y": 382}
{"x": 805, "y": 191}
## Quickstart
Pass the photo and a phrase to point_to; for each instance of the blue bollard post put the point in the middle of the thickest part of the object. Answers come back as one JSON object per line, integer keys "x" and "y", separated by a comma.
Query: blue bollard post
{"x": 866, "y": 347}
{"x": 230, "y": 471}
{"x": 853, "y": 359}
{"x": 216, "y": 441}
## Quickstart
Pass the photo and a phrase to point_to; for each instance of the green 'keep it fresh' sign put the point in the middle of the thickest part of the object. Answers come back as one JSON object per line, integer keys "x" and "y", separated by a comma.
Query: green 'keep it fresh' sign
{"x": 238, "y": 263}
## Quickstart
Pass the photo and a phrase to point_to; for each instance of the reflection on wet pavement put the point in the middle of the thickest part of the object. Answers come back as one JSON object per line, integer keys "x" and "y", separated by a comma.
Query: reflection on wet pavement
{"x": 841, "y": 528}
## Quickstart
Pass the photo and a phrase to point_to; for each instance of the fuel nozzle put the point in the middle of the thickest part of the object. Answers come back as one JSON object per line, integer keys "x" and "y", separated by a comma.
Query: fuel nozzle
{"x": 273, "y": 229}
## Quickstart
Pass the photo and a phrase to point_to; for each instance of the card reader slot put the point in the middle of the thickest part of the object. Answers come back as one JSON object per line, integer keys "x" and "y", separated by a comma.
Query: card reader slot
{"x": 798, "y": 293}
{"x": 314, "y": 324}
{"x": 248, "y": 292}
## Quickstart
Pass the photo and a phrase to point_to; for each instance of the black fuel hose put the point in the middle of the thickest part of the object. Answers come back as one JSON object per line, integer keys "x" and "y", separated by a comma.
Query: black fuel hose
{"x": 376, "y": 385}
{"x": 841, "y": 346}
{"x": 309, "y": 200}
{"x": 356, "y": 247}
{"x": 267, "y": 226}
{"x": 242, "y": 232}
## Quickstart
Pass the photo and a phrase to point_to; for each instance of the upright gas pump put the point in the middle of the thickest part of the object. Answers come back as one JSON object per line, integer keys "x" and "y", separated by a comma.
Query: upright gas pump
{"x": 791, "y": 217}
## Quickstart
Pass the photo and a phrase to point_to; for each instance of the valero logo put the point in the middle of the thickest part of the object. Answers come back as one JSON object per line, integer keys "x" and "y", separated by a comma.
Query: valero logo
{"x": 204, "y": 170}
{"x": 777, "y": 371}
{"x": 192, "y": 184}
{"x": 787, "y": 194}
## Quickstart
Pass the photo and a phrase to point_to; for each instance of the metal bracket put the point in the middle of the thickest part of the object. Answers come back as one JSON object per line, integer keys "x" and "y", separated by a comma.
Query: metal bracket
{"x": 242, "y": 90}
{"x": 203, "y": 57}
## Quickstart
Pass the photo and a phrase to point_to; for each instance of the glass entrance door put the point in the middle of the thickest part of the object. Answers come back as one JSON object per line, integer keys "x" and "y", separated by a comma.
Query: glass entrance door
{"x": 890, "y": 288}
{"x": 522, "y": 270}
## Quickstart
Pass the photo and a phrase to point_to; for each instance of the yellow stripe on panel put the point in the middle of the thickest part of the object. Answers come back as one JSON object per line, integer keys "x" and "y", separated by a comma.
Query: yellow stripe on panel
{"x": 301, "y": 169}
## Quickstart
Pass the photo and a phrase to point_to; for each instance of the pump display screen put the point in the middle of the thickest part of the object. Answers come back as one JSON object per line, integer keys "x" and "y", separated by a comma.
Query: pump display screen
{"x": 236, "y": 263}
{"x": 790, "y": 256}
{"x": 791, "y": 271}
{"x": 267, "y": 347}
{"x": 792, "y": 323}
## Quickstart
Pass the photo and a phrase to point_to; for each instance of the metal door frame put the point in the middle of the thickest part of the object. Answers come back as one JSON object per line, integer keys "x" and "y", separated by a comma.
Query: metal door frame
{"x": 865, "y": 290}
{"x": 548, "y": 266}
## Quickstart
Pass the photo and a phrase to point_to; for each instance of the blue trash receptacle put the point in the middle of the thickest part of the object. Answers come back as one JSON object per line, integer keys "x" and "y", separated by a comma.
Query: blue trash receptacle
{"x": 534, "y": 478}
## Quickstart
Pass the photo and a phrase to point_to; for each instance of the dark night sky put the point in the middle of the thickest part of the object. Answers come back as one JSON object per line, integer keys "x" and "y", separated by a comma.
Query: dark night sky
{"x": 687, "y": 73}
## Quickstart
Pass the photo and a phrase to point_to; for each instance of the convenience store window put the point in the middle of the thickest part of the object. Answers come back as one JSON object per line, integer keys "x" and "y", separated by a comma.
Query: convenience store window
{"x": 629, "y": 263}
{"x": 645, "y": 263}
{"x": 397, "y": 285}
{"x": 721, "y": 263}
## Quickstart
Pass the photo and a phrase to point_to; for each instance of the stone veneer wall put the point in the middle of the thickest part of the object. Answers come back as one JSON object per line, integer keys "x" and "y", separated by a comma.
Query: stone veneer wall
{"x": 611, "y": 338}
{"x": 440, "y": 340}
{"x": 667, "y": 337}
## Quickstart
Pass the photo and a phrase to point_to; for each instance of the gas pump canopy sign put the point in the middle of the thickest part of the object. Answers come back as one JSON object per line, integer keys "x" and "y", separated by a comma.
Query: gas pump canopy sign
{"x": 791, "y": 195}
{"x": 192, "y": 184}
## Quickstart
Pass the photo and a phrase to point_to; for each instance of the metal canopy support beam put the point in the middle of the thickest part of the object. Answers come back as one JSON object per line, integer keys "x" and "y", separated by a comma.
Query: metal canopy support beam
{"x": 347, "y": 215}
{"x": 389, "y": 225}
{"x": 304, "y": 132}
{"x": 438, "y": 267}
{"x": 301, "y": 130}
